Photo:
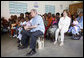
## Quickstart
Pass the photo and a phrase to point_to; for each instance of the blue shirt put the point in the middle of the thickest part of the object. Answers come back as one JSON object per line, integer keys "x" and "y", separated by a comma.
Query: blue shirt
{"x": 80, "y": 20}
{"x": 37, "y": 20}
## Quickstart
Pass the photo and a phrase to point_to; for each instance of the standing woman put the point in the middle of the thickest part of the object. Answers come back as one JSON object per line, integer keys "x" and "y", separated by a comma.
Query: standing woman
{"x": 63, "y": 26}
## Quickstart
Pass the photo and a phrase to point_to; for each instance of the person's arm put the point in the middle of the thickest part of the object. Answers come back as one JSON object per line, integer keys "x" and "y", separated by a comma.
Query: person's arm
{"x": 30, "y": 27}
{"x": 59, "y": 24}
{"x": 76, "y": 23}
{"x": 37, "y": 23}
{"x": 68, "y": 23}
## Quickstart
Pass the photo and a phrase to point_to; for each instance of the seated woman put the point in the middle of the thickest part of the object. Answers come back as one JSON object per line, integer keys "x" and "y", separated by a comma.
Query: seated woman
{"x": 45, "y": 19}
{"x": 56, "y": 20}
{"x": 54, "y": 26}
{"x": 63, "y": 26}
{"x": 49, "y": 21}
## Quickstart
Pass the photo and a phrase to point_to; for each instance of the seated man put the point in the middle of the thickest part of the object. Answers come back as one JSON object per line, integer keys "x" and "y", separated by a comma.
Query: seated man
{"x": 36, "y": 30}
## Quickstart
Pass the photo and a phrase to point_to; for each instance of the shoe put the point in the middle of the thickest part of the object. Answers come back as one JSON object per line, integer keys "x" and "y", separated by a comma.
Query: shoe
{"x": 21, "y": 47}
{"x": 31, "y": 53}
{"x": 15, "y": 36}
{"x": 61, "y": 44}
{"x": 55, "y": 42}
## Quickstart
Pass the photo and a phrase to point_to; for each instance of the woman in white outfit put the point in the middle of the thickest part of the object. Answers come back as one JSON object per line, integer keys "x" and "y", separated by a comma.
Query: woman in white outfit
{"x": 63, "y": 26}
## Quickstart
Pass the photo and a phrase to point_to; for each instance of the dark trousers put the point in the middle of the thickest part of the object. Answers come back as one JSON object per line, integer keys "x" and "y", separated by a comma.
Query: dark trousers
{"x": 26, "y": 35}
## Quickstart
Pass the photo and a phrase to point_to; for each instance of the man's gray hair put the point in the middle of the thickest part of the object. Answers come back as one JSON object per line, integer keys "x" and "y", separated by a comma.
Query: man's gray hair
{"x": 34, "y": 10}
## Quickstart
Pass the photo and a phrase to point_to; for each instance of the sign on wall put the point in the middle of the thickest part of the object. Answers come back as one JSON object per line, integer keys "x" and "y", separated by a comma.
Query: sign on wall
{"x": 17, "y": 8}
{"x": 35, "y": 5}
{"x": 49, "y": 8}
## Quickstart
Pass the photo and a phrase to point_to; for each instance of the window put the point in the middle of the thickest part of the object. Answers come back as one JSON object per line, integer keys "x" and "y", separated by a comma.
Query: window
{"x": 17, "y": 8}
{"x": 49, "y": 8}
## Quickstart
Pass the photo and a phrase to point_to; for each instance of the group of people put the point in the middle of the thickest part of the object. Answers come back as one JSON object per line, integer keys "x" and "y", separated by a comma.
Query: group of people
{"x": 77, "y": 24}
{"x": 28, "y": 28}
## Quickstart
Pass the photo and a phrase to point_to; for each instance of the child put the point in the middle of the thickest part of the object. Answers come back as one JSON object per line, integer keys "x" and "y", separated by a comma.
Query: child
{"x": 27, "y": 25}
{"x": 13, "y": 29}
{"x": 22, "y": 23}
{"x": 75, "y": 22}
{"x": 12, "y": 23}
{"x": 74, "y": 28}
{"x": 19, "y": 36}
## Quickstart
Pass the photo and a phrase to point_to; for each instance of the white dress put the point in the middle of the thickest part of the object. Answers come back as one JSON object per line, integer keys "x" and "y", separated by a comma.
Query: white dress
{"x": 76, "y": 23}
{"x": 19, "y": 36}
{"x": 20, "y": 29}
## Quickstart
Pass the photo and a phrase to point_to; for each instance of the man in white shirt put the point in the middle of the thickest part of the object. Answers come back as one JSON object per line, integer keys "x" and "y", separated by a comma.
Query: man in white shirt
{"x": 63, "y": 26}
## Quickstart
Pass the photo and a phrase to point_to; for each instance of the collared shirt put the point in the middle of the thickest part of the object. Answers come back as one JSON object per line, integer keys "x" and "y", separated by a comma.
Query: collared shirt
{"x": 37, "y": 20}
{"x": 80, "y": 21}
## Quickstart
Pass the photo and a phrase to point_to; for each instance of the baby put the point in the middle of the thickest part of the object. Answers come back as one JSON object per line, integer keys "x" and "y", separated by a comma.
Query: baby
{"x": 27, "y": 25}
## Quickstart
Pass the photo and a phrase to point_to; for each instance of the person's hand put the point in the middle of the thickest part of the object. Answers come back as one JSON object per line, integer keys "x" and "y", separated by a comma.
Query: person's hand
{"x": 35, "y": 25}
{"x": 25, "y": 27}
{"x": 73, "y": 24}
